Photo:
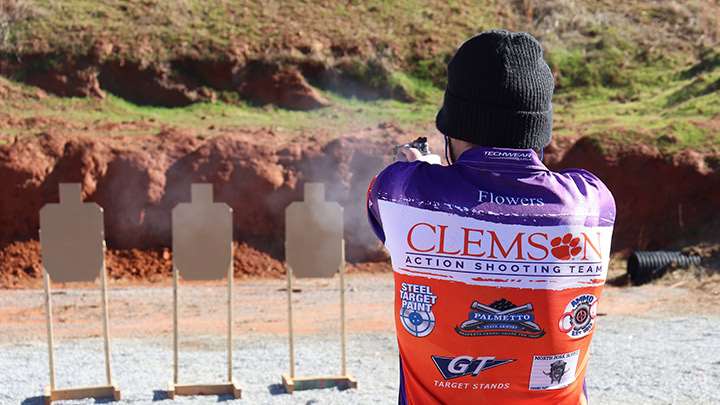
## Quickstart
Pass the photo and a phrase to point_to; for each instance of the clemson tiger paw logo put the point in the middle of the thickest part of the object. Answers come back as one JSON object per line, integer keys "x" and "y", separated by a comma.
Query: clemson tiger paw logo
{"x": 565, "y": 248}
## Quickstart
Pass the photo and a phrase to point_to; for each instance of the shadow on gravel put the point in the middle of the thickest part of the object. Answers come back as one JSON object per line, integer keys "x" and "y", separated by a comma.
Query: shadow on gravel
{"x": 225, "y": 397}
{"x": 39, "y": 400}
{"x": 276, "y": 389}
{"x": 160, "y": 395}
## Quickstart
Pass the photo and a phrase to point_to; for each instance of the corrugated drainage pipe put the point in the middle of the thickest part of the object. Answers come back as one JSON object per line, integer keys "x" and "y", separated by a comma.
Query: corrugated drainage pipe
{"x": 644, "y": 267}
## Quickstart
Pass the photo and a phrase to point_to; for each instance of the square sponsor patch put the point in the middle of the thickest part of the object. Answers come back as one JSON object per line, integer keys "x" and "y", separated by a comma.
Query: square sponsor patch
{"x": 553, "y": 371}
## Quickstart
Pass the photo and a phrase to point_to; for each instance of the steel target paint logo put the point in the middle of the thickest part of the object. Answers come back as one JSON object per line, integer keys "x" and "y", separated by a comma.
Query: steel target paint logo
{"x": 579, "y": 316}
{"x": 500, "y": 318}
{"x": 416, "y": 305}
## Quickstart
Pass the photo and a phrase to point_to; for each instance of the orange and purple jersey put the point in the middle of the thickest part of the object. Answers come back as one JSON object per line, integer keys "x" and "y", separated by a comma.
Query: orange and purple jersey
{"x": 499, "y": 265}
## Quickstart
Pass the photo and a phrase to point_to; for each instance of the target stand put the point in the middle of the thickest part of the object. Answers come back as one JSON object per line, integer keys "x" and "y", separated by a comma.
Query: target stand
{"x": 314, "y": 248}
{"x": 73, "y": 249}
{"x": 202, "y": 249}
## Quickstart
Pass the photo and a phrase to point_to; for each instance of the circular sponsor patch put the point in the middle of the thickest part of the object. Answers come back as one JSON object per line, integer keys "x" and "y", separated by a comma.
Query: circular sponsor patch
{"x": 417, "y": 323}
{"x": 579, "y": 317}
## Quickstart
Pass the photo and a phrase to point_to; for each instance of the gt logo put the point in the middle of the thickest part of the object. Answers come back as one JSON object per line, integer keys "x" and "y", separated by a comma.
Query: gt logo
{"x": 454, "y": 367}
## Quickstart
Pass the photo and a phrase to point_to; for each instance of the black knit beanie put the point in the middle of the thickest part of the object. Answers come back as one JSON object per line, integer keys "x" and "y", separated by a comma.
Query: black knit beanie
{"x": 499, "y": 92}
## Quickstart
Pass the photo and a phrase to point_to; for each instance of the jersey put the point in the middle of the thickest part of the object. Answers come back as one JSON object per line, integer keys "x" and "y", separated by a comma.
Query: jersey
{"x": 499, "y": 265}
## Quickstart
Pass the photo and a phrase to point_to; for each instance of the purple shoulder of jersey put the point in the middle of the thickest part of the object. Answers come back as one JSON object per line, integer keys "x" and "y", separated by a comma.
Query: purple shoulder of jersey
{"x": 510, "y": 186}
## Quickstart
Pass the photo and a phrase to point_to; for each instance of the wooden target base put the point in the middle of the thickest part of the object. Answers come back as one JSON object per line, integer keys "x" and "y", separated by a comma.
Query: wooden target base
{"x": 97, "y": 392}
{"x": 229, "y": 388}
{"x": 313, "y": 383}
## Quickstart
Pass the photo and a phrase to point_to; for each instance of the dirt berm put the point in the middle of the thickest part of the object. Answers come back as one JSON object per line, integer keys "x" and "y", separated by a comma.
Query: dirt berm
{"x": 663, "y": 201}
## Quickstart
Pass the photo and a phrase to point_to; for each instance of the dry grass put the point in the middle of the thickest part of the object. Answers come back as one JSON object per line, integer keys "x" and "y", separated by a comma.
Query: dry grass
{"x": 12, "y": 12}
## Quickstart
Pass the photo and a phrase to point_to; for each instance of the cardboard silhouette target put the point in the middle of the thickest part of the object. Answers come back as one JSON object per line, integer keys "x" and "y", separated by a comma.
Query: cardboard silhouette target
{"x": 73, "y": 249}
{"x": 202, "y": 250}
{"x": 71, "y": 236}
{"x": 314, "y": 234}
{"x": 202, "y": 236}
{"x": 314, "y": 248}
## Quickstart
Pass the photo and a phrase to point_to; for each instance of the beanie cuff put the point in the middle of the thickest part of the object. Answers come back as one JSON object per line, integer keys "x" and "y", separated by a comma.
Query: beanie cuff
{"x": 485, "y": 125}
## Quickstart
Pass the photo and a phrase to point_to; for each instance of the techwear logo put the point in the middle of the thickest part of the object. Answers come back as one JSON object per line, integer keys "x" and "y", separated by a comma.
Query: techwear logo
{"x": 454, "y": 367}
{"x": 508, "y": 155}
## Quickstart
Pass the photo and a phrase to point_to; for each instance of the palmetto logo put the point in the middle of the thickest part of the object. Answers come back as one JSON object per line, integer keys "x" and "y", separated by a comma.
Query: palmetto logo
{"x": 500, "y": 318}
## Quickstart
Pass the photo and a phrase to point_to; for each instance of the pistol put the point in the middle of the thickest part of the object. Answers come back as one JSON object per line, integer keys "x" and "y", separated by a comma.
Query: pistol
{"x": 420, "y": 144}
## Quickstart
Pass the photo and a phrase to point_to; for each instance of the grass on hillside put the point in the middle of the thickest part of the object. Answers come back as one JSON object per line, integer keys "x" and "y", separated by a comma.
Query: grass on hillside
{"x": 158, "y": 30}
{"x": 632, "y": 71}
{"x": 677, "y": 114}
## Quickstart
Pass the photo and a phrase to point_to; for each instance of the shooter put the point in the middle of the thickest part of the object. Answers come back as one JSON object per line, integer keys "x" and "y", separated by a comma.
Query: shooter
{"x": 495, "y": 192}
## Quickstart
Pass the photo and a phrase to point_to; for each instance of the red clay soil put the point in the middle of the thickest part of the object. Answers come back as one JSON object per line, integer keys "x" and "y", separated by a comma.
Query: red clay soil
{"x": 663, "y": 201}
{"x": 20, "y": 264}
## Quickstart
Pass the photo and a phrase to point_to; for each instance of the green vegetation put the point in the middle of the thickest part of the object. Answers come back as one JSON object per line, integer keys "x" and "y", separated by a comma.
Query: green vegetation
{"x": 633, "y": 71}
{"x": 209, "y": 118}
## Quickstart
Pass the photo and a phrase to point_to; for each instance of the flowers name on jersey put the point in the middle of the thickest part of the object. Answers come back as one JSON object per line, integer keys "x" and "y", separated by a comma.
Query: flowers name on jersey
{"x": 579, "y": 316}
{"x": 460, "y": 366}
{"x": 416, "y": 302}
{"x": 500, "y": 318}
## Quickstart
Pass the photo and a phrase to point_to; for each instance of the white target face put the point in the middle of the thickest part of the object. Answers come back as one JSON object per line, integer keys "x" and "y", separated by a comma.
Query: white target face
{"x": 417, "y": 323}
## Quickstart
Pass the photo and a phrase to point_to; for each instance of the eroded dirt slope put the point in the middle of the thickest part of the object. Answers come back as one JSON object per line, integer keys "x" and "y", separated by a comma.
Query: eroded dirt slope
{"x": 662, "y": 201}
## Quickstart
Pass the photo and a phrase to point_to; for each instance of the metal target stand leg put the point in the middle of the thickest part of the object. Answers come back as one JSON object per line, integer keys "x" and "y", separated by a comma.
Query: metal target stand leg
{"x": 228, "y": 388}
{"x": 344, "y": 380}
{"x": 102, "y": 391}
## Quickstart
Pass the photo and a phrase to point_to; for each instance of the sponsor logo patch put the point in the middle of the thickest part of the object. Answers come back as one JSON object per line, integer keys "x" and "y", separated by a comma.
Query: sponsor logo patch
{"x": 553, "y": 371}
{"x": 500, "y": 318}
{"x": 460, "y": 366}
{"x": 578, "y": 319}
{"x": 506, "y": 155}
{"x": 416, "y": 302}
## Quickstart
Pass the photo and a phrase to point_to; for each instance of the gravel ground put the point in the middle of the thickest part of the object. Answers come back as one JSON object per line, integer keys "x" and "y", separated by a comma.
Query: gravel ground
{"x": 635, "y": 360}
{"x": 658, "y": 360}
{"x": 143, "y": 369}
{"x": 654, "y": 344}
